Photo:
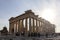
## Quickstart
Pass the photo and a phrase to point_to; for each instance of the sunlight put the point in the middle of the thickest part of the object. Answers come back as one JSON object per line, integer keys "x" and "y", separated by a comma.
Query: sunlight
{"x": 48, "y": 14}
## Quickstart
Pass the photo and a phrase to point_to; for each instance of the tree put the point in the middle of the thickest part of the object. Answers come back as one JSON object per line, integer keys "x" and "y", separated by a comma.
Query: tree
{"x": 4, "y": 31}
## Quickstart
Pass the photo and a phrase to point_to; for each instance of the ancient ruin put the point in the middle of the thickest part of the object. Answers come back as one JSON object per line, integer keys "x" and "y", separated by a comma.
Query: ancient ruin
{"x": 28, "y": 22}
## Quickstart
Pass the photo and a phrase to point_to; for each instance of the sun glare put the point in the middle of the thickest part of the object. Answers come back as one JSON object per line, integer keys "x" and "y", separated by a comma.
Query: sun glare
{"x": 48, "y": 14}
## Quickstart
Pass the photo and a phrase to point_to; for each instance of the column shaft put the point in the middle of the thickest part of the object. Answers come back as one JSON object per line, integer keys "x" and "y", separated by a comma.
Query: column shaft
{"x": 39, "y": 26}
{"x": 33, "y": 25}
{"x": 18, "y": 25}
{"x": 30, "y": 25}
{"x": 22, "y": 25}
{"x": 9, "y": 27}
{"x": 26, "y": 26}
{"x": 36, "y": 26}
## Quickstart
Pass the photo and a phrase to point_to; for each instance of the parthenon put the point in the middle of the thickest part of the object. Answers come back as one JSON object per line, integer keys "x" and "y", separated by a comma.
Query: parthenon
{"x": 28, "y": 22}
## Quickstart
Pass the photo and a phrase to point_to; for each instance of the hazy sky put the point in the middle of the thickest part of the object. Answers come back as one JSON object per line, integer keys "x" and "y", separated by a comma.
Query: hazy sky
{"x": 48, "y": 9}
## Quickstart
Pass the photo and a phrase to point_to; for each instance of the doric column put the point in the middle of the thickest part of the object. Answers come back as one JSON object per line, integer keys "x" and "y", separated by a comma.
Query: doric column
{"x": 22, "y": 25}
{"x": 33, "y": 25}
{"x": 9, "y": 27}
{"x": 26, "y": 26}
{"x": 39, "y": 23}
{"x": 30, "y": 25}
{"x": 14, "y": 27}
{"x": 39, "y": 26}
{"x": 26, "y": 31}
{"x": 18, "y": 25}
{"x": 36, "y": 26}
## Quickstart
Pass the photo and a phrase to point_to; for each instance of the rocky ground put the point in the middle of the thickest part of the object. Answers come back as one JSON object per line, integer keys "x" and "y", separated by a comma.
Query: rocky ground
{"x": 11, "y": 37}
